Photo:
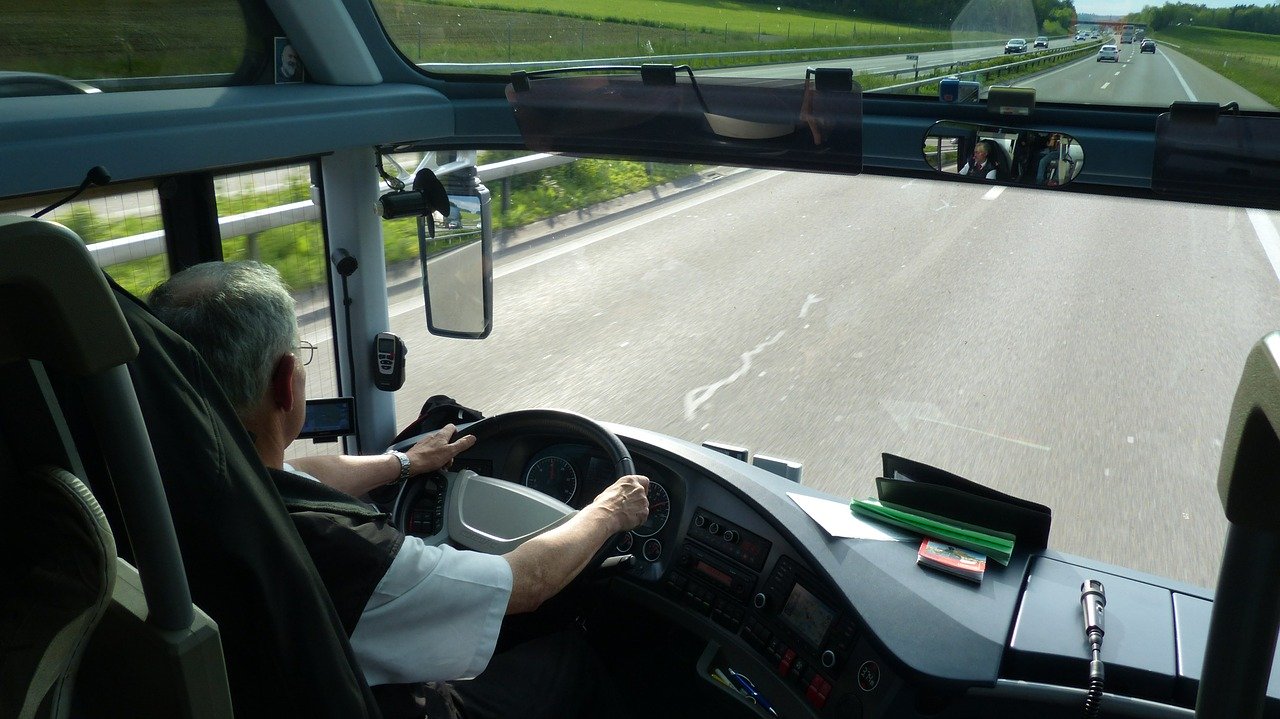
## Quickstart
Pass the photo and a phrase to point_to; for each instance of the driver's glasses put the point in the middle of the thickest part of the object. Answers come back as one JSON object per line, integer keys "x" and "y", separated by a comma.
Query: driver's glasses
{"x": 305, "y": 351}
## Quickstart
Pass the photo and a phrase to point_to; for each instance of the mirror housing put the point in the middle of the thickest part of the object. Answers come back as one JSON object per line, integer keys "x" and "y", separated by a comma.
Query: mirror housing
{"x": 457, "y": 262}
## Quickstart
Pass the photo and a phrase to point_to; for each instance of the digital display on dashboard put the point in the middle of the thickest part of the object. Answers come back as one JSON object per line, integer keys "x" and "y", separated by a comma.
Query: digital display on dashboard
{"x": 714, "y": 574}
{"x": 807, "y": 615}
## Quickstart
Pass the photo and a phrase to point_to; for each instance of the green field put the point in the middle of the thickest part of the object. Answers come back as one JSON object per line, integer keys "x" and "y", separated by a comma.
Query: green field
{"x": 1249, "y": 59}
{"x": 509, "y": 31}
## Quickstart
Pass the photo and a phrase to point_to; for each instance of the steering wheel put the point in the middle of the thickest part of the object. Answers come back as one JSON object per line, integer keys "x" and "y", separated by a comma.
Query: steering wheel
{"x": 479, "y": 509}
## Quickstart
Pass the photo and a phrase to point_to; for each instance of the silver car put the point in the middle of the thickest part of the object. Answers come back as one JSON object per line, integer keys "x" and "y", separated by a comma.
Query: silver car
{"x": 1108, "y": 52}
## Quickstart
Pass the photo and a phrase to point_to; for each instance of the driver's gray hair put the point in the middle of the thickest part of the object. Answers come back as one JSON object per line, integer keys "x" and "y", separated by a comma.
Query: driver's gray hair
{"x": 239, "y": 316}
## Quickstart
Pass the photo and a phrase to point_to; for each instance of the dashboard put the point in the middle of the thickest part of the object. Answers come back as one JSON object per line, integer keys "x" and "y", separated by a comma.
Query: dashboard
{"x": 706, "y": 558}
{"x": 831, "y": 628}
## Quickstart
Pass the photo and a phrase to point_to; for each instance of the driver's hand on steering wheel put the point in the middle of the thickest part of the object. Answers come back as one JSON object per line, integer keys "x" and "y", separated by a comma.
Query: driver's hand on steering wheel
{"x": 626, "y": 502}
{"x": 437, "y": 450}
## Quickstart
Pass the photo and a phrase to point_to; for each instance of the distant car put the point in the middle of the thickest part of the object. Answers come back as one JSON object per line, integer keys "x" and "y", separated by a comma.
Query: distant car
{"x": 1148, "y": 46}
{"x": 1041, "y": 41}
{"x": 1081, "y": 36}
{"x": 1017, "y": 44}
{"x": 1109, "y": 52}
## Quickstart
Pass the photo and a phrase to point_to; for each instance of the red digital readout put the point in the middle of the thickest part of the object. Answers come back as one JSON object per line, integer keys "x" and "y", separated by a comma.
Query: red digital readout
{"x": 714, "y": 573}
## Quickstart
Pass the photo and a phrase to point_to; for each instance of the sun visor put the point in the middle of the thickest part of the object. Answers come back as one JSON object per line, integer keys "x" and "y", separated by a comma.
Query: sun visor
{"x": 663, "y": 112}
{"x": 1202, "y": 153}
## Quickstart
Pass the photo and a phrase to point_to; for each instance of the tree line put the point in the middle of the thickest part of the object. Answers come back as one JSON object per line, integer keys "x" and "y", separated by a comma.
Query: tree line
{"x": 1250, "y": 18}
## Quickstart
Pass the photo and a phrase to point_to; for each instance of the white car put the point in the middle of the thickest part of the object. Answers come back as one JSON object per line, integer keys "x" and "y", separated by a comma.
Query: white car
{"x": 1108, "y": 52}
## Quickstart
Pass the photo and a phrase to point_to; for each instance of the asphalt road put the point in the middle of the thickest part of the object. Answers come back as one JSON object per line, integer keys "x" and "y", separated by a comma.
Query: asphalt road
{"x": 879, "y": 63}
{"x": 1077, "y": 351}
{"x": 1153, "y": 79}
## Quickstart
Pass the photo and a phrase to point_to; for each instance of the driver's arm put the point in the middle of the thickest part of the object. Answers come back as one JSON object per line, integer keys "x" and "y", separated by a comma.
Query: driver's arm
{"x": 544, "y": 565}
{"x": 357, "y": 474}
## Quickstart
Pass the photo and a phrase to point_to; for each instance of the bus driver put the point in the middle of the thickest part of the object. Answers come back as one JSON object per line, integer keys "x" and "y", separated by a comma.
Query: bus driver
{"x": 414, "y": 613}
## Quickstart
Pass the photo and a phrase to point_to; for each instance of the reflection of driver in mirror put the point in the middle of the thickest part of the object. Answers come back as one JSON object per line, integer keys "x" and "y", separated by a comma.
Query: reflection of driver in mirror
{"x": 981, "y": 164}
{"x": 397, "y": 596}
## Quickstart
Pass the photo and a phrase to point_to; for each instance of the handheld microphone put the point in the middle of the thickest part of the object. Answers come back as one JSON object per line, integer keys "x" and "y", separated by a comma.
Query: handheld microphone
{"x": 1093, "y": 599}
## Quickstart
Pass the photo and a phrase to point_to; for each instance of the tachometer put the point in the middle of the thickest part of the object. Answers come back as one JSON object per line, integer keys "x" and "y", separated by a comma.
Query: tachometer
{"x": 554, "y": 477}
{"x": 659, "y": 509}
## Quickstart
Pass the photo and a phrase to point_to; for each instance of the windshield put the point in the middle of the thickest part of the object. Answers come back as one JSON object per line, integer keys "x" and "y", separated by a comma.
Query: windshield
{"x": 1075, "y": 350}
{"x": 891, "y": 46}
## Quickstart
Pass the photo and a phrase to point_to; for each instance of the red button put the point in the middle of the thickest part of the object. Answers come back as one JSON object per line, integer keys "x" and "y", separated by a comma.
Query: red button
{"x": 784, "y": 666}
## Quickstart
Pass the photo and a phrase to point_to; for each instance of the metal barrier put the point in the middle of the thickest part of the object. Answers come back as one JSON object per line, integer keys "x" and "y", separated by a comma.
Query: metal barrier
{"x": 982, "y": 73}
{"x": 150, "y": 244}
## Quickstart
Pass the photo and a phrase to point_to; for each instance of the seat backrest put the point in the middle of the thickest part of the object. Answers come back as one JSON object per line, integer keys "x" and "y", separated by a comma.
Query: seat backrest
{"x": 60, "y": 576}
{"x": 130, "y": 407}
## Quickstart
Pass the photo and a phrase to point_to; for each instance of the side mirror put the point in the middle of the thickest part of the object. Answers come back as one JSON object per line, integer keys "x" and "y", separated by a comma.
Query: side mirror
{"x": 996, "y": 154}
{"x": 457, "y": 262}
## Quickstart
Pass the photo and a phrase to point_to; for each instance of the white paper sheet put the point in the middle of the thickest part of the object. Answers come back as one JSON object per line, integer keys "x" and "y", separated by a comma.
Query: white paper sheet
{"x": 839, "y": 521}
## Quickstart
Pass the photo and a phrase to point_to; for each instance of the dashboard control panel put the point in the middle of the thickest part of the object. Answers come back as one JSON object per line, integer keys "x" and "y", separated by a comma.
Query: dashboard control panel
{"x": 729, "y": 539}
{"x": 788, "y": 618}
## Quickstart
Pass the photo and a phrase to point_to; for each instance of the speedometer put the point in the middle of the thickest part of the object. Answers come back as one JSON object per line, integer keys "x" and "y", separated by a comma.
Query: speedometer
{"x": 659, "y": 509}
{"x": 554, "y": 477}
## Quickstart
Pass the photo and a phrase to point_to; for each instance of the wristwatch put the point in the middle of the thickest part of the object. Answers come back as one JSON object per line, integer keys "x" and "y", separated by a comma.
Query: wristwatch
{"x": 404, "y": 464}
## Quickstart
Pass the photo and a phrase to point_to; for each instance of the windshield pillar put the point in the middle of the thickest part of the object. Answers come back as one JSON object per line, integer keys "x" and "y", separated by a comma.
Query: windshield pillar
{"x": 350, "y": 185}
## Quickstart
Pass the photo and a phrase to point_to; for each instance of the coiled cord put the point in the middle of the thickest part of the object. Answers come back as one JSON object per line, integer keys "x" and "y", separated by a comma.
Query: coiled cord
{"x": 1093, "y": 700}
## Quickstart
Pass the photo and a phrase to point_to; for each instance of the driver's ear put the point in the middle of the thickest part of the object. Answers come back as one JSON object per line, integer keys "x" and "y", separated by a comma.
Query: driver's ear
{"x": 280, "y": 388}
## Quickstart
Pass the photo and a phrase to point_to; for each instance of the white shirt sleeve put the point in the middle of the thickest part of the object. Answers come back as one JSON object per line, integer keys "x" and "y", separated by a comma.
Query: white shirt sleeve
{"x": 435, "y": 615}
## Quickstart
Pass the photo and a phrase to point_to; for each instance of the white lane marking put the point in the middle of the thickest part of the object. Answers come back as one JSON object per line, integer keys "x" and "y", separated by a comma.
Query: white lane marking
{"x": 1268, "y": 236}
{"x": 909, "y": 183}
{"x": 993, "y": 193}
{"x": 1104, "y": 86}
{"x": 810, "y": 300}
{"x": 1024, "y": 443}
{"x": 618, "y": 229}
{"x": 1117, "y": 72}
{"x": 699, "y": 395}
{"x": 1185, "y": 88}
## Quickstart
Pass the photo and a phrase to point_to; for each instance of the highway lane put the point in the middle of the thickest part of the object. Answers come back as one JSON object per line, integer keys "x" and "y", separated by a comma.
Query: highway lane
{"x": 1145, "y": 79}
{"x": 879, "y": 63}
{"x": 1077, "y": 351}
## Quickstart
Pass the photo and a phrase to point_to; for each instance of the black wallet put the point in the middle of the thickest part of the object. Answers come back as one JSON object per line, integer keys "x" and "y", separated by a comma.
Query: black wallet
{"x": 914, "y": 485}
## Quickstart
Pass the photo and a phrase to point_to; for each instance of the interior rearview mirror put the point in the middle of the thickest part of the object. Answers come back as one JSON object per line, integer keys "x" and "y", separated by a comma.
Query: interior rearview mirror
{"x": 457, "y": 264}
{"x": 1022, "y": 156}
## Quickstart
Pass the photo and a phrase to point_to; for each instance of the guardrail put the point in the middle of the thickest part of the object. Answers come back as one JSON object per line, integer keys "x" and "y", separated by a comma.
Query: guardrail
{"x": 150, "y": 244}
{"x": 466, "y": 67}
{"x": 979, "y": 74}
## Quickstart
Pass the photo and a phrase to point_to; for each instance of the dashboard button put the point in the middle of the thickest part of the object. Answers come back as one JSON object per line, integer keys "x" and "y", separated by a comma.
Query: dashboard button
{"x": 828, "y": 659}
{"x": 714, "y": 528}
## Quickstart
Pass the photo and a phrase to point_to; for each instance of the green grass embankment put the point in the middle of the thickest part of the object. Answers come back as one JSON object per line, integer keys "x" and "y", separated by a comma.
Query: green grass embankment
{"x": 1249, "y": 59}
{"x": 501, "y": 31}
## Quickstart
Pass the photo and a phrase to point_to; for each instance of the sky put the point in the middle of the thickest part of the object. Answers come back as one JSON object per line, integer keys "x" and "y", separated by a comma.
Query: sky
{"x": 1121, "y": 7}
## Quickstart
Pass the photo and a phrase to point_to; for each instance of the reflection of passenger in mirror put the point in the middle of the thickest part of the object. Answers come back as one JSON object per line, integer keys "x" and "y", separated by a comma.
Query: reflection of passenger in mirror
{"x": 1049, "y": 157}
{"x": 981, "y": 165}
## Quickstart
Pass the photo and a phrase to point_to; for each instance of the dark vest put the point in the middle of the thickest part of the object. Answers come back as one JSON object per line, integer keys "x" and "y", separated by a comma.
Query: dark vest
{"x": 982, "y": 170}
{"x": 351, "y": 544}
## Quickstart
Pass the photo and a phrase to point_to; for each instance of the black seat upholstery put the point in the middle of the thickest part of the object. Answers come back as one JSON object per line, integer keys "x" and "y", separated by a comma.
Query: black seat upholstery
{"x": 59, "y": 583}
